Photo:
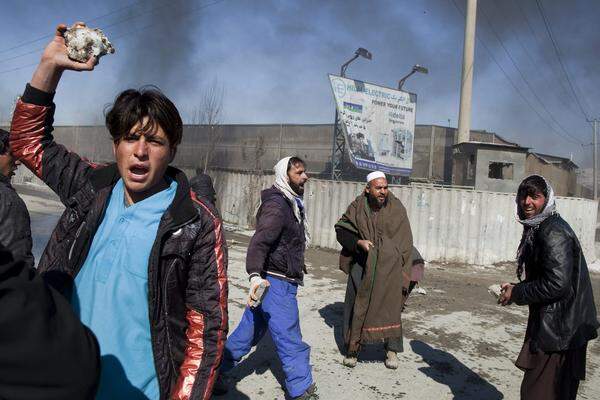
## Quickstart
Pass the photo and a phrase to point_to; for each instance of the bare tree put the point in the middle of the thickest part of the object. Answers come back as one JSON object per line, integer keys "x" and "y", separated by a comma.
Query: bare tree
{"x": 209, "y": 114}
{"x": 252, "y": 191}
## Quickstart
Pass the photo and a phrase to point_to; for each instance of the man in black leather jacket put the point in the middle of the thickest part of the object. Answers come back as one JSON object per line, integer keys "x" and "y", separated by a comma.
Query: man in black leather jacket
{"x": 558, "y": 291}
{"x": 15, "y": 226}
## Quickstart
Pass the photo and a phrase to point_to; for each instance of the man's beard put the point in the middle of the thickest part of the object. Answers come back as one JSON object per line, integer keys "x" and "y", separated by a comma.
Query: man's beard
{"x": 297, "y": 189}
{"x": 374, "y": 202}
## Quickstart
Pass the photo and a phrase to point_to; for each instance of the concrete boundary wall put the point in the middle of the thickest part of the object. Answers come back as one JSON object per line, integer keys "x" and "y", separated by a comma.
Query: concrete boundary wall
{"x": 448, "y": 224}
{"x": 451, "y": 225}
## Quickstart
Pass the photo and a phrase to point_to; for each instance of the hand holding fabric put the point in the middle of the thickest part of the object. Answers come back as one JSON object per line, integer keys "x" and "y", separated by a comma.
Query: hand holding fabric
{"x": 365, "y": 245}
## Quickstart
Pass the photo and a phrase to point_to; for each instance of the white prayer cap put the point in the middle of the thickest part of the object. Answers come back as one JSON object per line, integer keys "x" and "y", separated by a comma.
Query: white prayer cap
{"x": 375, "y": 175}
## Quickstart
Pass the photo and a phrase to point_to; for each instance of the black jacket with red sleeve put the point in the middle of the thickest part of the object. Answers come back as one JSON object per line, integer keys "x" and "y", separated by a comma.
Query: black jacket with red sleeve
{"x": 187, "y": 268}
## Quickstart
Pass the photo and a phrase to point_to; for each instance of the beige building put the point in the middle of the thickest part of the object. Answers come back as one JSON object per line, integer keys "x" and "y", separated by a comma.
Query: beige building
{"x": 561, "y": 172}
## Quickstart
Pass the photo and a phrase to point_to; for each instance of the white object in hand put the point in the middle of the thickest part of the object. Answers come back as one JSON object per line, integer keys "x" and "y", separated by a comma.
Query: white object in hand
{"x": 258, "y": 286}
{"x": 420, "y": 290}
{"x": 495, "y": 290}
{"x": 83, "y": 42}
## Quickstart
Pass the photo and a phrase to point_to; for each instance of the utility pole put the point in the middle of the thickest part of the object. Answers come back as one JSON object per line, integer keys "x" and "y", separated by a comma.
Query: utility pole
{"x": 466, "y": 88}
{"x": 595, "y": 126}
{"x": 595, "y": 159}
{"x": 280, "y": 139}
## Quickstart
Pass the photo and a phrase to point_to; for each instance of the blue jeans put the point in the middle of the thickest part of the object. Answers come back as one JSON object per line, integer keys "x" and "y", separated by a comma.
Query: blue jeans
{"x": 279, "y": 314}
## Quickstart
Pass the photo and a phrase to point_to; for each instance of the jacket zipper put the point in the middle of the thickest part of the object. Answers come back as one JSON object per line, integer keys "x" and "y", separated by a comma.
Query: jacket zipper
{"x": 75, "y": 239}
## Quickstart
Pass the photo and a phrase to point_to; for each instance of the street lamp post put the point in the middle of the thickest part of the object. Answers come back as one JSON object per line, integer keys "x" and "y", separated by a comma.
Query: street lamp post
{"x": 420, "y": 69}
{"x": 415, "y": 68}
{"x": 339, "y": 142}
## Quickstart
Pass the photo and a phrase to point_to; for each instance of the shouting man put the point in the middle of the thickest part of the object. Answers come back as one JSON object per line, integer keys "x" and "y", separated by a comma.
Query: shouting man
{"x": 376, "y": 253}
{"x": 276, "y": 259}
{"x": 143, "y": 262}
{"x": 558, "y": 291}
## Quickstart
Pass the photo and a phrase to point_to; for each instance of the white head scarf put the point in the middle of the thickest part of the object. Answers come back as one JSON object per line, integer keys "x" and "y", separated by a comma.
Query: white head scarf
{"x": 282, "y": 182}
{"x": 530, "y": 225}
{"x": 549, "y": 207}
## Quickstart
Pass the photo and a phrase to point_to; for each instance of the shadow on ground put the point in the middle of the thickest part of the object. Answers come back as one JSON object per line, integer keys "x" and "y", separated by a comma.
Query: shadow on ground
{"x": 333, "y": 315}
{"x": 262, "y": 359}
{"x": 446, "y": 369}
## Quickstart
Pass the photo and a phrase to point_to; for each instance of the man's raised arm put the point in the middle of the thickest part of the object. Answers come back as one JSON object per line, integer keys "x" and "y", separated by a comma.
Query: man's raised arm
{"x": 30, "y": 139}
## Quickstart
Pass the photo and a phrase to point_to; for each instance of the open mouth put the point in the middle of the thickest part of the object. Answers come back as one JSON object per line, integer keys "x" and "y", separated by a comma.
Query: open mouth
{"x": 138, "y": 172}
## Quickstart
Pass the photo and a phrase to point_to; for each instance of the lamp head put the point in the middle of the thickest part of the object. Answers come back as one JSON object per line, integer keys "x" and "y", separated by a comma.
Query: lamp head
{"x": 361, "y": 51}
{"x": 421, "y": 69}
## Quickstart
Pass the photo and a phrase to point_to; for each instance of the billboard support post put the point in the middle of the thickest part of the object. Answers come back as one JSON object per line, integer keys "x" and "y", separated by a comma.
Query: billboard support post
{"x": 339, "y": 144}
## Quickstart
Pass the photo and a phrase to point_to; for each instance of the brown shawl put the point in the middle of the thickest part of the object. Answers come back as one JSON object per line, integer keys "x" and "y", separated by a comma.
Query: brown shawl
{"x": 378, "y": 304}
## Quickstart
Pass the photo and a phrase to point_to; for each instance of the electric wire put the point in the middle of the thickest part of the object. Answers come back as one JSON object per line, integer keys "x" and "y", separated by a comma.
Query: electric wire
{"x": 105, "y": 28}
{"x": 558, "y": 55}
{"x": 529, "y": 86}
{"x": 28, "y": 42}
{"x": 515, "y": 87}
{"x": 568, "y": 104}
{"x": 126, "y": 34}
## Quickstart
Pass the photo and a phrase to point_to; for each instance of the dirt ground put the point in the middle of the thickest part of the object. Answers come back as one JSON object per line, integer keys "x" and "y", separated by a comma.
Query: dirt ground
{"x": 458, "y": 343}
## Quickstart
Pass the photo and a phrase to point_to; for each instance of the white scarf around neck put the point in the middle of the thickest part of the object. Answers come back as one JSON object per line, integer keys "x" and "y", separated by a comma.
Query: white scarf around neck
{"x": 282, "y": 182}
{"x": 549, "y": 208}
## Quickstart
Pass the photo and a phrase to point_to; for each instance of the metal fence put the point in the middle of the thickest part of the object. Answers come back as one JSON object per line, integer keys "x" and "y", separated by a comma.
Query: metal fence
{"x": 448, "y": 224}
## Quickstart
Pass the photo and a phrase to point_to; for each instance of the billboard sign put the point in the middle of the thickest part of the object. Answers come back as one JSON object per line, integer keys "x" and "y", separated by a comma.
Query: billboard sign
{"x": 378, "y": 125}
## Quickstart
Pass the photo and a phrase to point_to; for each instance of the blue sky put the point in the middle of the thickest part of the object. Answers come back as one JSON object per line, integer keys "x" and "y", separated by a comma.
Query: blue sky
{"x": 273, "y": 57}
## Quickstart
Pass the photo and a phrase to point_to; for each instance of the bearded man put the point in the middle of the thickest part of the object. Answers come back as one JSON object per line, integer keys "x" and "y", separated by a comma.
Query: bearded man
{"x": 376, "y": 253}
{"x": 275, "y": 260}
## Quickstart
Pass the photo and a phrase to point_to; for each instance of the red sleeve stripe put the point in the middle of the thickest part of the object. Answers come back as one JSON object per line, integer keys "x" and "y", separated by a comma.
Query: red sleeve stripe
{"x": 26, "y": 135}
{"x": 193, "y": 356}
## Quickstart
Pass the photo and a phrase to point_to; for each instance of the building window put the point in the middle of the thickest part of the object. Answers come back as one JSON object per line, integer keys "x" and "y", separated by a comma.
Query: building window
{"x": 500, "y": 170}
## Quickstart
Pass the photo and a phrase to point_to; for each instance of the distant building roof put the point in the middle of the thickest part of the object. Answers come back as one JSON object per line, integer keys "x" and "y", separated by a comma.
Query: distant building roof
{"x": 550, "y": 159}
{"x": 495, "y": 146}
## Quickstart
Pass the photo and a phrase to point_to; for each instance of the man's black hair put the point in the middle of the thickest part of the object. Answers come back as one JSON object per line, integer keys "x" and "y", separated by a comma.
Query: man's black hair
{"x": 295, "y": 161}
{"x": 131, "y": 106}
{"x": 4, "y": 144}
{"x": 532, "y": 185}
